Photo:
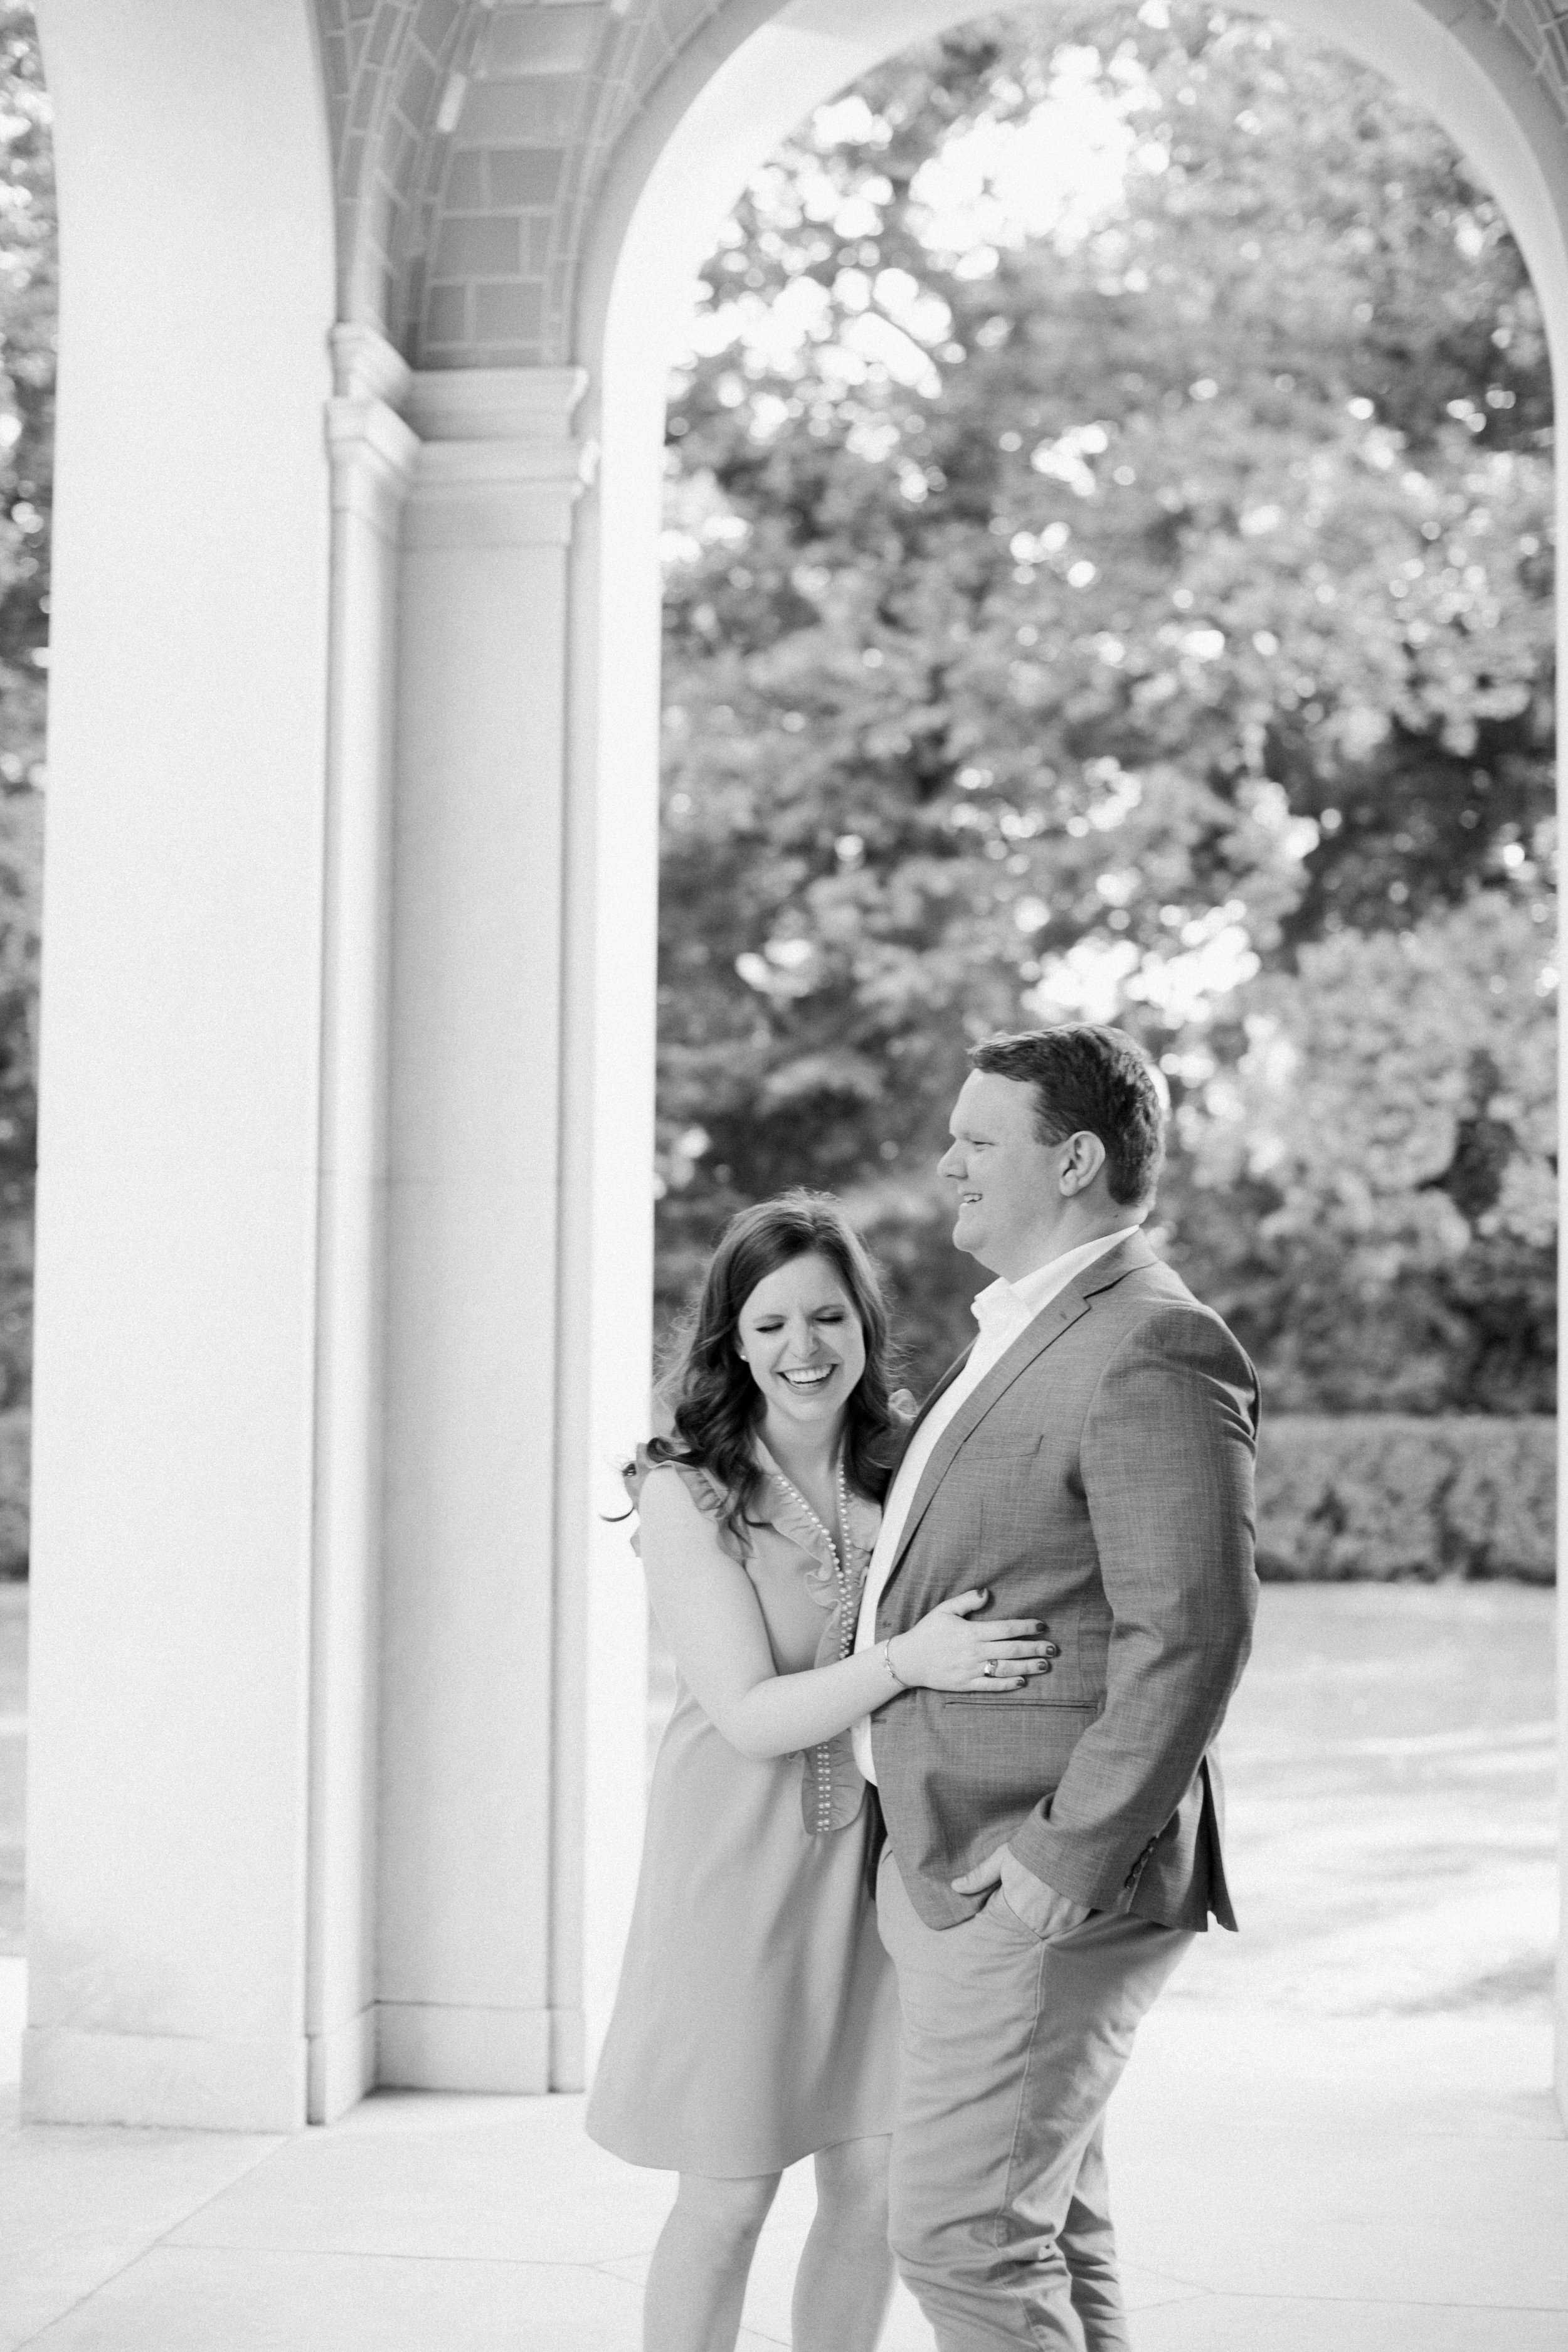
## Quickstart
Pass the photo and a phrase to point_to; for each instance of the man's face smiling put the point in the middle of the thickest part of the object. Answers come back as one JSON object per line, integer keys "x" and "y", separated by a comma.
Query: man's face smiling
{"x": 1007, "y": 1182}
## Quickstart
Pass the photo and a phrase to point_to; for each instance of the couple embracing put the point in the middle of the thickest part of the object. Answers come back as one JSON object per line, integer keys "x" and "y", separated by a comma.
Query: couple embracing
{"x": 1017, "y": 1620}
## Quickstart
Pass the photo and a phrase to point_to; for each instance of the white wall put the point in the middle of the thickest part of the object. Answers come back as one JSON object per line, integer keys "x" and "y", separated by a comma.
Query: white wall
{"x": 167, "y": 1822}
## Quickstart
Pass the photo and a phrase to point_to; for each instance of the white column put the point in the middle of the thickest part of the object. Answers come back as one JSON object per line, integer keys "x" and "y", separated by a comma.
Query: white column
{"x": 606, "y": 1241}
{"x": 468, "y": 1999}
{"x": 168, "y": 1796}
{"x": 373, "y": 456}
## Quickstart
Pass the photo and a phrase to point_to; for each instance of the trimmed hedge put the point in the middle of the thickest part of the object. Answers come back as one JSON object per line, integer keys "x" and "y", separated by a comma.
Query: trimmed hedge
{"x": 1374, "y": 1497}
{"x": 15, "y": 1462}
{"x": 1383, "y": 1496}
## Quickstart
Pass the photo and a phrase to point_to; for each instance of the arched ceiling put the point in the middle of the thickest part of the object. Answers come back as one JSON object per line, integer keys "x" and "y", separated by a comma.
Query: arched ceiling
{"x": 471, "y": 139}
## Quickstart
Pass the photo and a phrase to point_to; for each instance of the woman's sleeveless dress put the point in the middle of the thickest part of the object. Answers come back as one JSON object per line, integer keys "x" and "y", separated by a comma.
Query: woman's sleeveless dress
{"x": 757, "y": 2015}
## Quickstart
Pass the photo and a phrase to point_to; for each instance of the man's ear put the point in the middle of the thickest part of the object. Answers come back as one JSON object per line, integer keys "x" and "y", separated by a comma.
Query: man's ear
{"x": 1083, "y": 1156}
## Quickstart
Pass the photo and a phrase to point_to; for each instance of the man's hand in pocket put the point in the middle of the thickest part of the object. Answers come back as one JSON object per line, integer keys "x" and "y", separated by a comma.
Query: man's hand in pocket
{"x": 1039, "y": 1906}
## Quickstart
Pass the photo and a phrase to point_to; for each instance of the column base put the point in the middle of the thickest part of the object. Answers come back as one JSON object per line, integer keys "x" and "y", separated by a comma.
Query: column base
{"x": 167, "y": 2081}
{"x": 436, "y": 2046}
{"x": 341, "y": 2066}
{"x": 568, "y": 2051}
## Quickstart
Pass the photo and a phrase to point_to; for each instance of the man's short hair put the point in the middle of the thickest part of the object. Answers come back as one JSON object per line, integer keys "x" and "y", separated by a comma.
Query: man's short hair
{"x": 1094, "y": 1080}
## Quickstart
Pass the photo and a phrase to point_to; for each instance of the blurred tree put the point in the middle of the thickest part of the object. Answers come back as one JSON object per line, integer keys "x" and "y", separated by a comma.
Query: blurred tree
{"x": 1397, "y": 1105}
{"x": 28, "y": 305}
{"x": 1091, "y": 615}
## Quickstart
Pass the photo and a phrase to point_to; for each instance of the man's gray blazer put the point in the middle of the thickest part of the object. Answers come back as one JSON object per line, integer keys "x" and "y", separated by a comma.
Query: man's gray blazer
{"x": 1100, "y": 1478}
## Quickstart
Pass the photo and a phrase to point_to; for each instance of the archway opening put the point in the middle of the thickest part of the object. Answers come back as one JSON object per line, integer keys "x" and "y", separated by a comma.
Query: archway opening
{"x": 787, "y": 943}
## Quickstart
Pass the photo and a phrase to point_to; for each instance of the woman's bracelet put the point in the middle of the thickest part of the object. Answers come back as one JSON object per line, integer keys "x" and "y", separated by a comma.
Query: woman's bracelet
{"x": 888, "y": 1662}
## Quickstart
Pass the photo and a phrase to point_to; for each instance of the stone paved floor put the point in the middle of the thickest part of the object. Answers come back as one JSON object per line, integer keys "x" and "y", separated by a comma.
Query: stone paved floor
{"x": 1406, "y": 2190}
{"x": 1335, "y": 2135}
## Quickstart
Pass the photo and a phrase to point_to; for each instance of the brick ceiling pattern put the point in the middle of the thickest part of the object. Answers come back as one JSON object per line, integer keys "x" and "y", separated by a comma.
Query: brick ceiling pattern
{"x": 471, "y": 139}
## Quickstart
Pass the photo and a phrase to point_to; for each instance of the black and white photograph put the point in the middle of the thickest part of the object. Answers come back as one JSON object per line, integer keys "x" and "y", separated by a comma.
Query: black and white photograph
{"x": 779, "y": 1176}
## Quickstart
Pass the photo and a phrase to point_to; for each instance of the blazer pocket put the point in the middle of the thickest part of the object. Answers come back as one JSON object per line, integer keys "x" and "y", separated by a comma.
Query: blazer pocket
{"x": 1038, "y": 1701}
{"x": 1000, "y": 1449}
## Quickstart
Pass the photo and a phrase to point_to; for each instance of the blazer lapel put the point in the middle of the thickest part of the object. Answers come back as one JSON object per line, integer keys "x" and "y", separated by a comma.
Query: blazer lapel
{"x": 1062, "y": 1313}
{"x": 1126, "y": 1258}
{"x": 946, "y": 1381}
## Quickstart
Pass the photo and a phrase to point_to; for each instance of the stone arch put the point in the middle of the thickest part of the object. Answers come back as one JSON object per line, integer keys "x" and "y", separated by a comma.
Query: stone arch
{"x": 387, "y": 65}
{"x": 471, "y": 142}
{"x": 468, "y": 142}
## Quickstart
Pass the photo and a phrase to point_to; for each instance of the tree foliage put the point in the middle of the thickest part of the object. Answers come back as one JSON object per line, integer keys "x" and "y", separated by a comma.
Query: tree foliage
{"x": 1396, "y": 1107}
{"x": 28, "y": 251}
{"x": 1144, "y": 615}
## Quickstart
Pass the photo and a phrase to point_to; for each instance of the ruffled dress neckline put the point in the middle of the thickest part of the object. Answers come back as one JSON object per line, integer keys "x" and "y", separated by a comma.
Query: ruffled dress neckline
{"x": 786, "y": 1511}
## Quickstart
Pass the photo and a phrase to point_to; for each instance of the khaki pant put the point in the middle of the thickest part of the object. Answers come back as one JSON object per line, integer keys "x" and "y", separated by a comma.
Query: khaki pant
{"x": 1011, "y": 2047}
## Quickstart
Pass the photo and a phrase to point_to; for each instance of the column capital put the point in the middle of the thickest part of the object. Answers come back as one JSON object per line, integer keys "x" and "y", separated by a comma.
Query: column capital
{"x": 494, "y": 403}
{"x": 498, "y": 465}
{"x": 366, "y": 367}
{"x": 374, "y": 455}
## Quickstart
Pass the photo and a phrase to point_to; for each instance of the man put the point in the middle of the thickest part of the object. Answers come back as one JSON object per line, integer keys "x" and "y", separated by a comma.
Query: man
{"x": 1053, "y": 1850}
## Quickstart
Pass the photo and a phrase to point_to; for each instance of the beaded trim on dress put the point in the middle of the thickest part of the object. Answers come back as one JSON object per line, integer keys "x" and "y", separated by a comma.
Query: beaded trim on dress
{"x": 787, "y": 1512}
{"x": 832, "y": 1787}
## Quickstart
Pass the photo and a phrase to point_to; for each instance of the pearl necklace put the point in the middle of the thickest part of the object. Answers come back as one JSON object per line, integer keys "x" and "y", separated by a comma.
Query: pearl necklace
{"x": 839, "y": 1552}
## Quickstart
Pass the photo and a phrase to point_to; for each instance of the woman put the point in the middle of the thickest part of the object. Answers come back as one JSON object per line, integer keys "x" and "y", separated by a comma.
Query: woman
{"x": 756, "y": 2021}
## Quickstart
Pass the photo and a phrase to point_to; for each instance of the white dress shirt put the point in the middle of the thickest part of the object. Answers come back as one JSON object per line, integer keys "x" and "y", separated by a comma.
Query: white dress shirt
{"x": 1003, "y": 1310}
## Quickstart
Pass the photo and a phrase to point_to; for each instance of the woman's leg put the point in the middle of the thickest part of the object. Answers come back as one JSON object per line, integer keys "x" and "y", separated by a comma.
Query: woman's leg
{"x": 697, "y": 2281}
{"x": 845, "y": 2282}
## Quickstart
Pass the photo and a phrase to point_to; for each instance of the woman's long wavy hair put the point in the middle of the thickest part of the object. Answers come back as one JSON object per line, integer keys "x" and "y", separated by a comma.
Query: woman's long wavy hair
{"x": 712, "y": 1402}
